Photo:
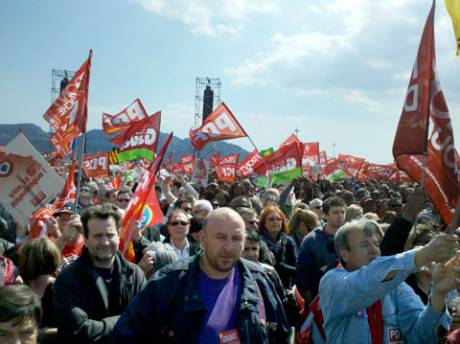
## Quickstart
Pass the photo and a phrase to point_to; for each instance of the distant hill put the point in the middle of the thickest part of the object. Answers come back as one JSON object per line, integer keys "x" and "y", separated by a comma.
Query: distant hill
{"x": 98, "y": 142}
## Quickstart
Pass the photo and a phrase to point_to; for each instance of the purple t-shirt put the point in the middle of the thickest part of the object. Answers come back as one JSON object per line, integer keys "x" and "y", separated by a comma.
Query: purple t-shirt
{"x": 222, "y": 299}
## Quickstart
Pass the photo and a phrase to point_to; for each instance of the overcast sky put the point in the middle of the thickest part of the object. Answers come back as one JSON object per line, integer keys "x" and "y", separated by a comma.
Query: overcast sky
{"x": 336, "y": 70}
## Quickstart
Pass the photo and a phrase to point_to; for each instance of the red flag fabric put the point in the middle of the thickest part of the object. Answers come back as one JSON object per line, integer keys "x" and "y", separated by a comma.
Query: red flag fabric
{"x": 291, "y": 138}
{"x": 144, "y": 206}
{"x": 214, "y": 160}
{"x": 350, "y": 164}
{"x": 220, "y": 125}
{"x": 114, "y": 184}
{"x": 140, "y": 140}
{"x": 39, "y": 222}
{"x": 67, "y": 195}
{"x": 170, "y": 162}
{"x": 134, "y": 112}
{"x": 377, "y": 171}
{"x": 226, "y": 169}
{"x": 331, "y": 166}
{"x": 187, "y": 162}
{"x": 425, "y": 104}
{"x": 178, "y": 168}
{"x": 311, "y": 152}
{"x": 246, "y": 168}
{"x": 288, "y": 156}
{"x": 68, "y": 114}
{"x": 96, "y": 165}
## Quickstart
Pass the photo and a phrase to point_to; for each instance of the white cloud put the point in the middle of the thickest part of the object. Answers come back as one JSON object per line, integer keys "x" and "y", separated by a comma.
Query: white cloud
{"x": 359, "y": 97}
{"x": 209, "y": 17}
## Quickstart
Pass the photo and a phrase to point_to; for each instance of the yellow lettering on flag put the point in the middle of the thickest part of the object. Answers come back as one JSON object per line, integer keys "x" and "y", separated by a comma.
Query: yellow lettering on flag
{"x": 453, "y": 7}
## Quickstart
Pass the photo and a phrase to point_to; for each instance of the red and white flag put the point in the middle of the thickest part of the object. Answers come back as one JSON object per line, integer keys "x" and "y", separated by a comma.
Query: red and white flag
{"x": 133, "y": 113}
{"x": 246, "y": 168}
{"x": 423, "y": 108}
{"x": 226, "y": 169}
{"x": 144, "y": 206}
{"x": 67, "y": 195}
{"x": 68, "y": 114}
{"x": 220, "y": 125}
{"x": 377, "y": 171}
{"x": 96, "y": 165}
{"x": 350, "y": 164}
{"x": 311, "y": 152}
{"x": 187, "y": 162}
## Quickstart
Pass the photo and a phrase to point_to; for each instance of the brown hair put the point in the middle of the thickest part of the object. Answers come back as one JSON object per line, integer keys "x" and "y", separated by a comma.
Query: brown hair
{"x": 37, "y": 257}
{"x": 308, "y": 217}
{"x": 267, "y": 211}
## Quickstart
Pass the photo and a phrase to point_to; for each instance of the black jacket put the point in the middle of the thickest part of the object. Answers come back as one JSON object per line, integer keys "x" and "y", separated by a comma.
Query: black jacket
{"x": 285, "y": 252}
{"x": 83, "y": 311}
{"x": 170, "y": 310}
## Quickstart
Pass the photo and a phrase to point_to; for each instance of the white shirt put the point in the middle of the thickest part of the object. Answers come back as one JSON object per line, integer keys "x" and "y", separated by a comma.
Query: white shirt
{"x": 185, "y": 253}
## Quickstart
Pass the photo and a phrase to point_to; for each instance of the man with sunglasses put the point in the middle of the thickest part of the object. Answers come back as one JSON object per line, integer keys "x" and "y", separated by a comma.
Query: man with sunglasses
{"x": 214, "y": 297}
{"x": 178, "y": 229}
{"x": 123, "y": 198}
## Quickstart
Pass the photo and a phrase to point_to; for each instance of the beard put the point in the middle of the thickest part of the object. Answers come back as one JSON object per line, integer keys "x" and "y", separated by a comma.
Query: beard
{"x": 219, "y": 262}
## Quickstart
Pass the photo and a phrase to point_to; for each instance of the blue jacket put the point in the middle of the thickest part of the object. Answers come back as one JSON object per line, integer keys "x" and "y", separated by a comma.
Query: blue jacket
{"x": 170, "y": 309}
{"x": 346, "y": 295}
{"x": 317, "y": 255}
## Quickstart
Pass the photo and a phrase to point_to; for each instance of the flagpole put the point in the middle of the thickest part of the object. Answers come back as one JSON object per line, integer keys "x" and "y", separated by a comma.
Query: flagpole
{"x": 80, "y": 168}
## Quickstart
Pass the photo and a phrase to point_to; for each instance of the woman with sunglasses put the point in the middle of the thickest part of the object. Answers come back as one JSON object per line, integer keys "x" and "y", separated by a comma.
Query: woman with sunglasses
{"x": 273, "y": 228}
{"x": 178, "y": 235}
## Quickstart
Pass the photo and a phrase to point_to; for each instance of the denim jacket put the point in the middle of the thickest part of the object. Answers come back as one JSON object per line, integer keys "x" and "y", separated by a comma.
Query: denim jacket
{"x": 346, "y": 295}
{"x": 170, "y": 309}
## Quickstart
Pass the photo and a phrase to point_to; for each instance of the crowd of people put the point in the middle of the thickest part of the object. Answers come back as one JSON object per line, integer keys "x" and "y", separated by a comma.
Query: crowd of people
{"x": 314, "y": 261}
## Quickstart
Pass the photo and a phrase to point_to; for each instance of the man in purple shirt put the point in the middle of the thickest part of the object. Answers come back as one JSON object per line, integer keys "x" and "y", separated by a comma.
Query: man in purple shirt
{"x": 213, "y": 297}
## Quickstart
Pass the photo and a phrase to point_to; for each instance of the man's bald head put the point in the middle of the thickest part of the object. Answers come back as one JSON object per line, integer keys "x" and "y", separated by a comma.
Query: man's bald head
{"x": 222, "y": 239}
{"x": 222, "y": 214}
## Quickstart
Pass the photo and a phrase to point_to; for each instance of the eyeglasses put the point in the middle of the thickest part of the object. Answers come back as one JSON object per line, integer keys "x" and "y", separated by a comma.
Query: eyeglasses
{"x": 188, "y": 210}
{"x": 318, "y": 207}
{"x": 123, "y": 200}
{"x": 85, "y": 190}
{"x": 182, "y": 223}
{"x": 254, "y": 222}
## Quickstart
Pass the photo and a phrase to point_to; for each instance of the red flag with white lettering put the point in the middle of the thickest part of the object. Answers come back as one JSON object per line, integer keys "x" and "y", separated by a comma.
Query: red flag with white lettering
{"x": 140, "y": 140}
{"x": 214, "y": 160}
{"x": 68, "y": 114}
{"x": 246, "y": 168}
{"x": 291, "y": 138}
{"x": 96, "y": 165}
{"x": 226, "y": 169}
{"x": 350, "y": 164}
{"x": 311, "y": 152}
{"x": 377, "y": 171}
{"x": 144, "y": 206}
{"x": 133, "y": 113}
{"x": 187, "y": 162}
{"x": 425, "y": 104}
{"x": 220, "y": 125}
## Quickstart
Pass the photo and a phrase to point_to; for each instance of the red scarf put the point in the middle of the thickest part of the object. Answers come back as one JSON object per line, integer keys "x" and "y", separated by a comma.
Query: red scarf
{"x": 374, "y": 314}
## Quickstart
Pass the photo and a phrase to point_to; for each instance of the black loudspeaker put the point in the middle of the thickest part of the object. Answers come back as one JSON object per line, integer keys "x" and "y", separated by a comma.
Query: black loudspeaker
{"x": 64, "y": 83}
{"x": 208, "y": 100}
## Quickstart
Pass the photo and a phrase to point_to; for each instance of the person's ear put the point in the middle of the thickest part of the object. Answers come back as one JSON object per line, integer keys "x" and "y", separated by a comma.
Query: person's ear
{"x": 345, "y": 255}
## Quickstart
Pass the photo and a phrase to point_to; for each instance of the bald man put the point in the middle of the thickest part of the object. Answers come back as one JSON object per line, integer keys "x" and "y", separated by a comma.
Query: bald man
{"x": 213, "y": 297}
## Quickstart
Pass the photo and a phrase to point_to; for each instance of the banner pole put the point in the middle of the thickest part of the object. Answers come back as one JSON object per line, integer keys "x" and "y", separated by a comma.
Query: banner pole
{"x": 80, "y": 168}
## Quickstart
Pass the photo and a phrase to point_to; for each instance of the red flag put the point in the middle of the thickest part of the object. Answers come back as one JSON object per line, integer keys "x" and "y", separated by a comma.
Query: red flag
{"x": 214, "y": 160}
{"x": 378, "y": 172}
{"x": 187, "y": 162}
{"x": 226, "y": 169}
{"x": 39, "y": 222}
{"x": 68, "y": 193}
{"x": 133, "y": 113}
{"x": 178, "y": 168}
{"x": 246, "y": 168}
{"x": 322, "y": 158}
{"x": 68, "y": 114}
{"x": 350, "y": 164}
{"x": 220, "y": 125}
{"x": 170, "y": 162}
{"x": 140, "y": 140}
{"x": 285, "y": 158}
{"x": 144, "y": 206}
{"x": 291, "y": 138}
{"x": 311, "y": 152}
{"x": 96, "y": 165}
{"x": 114, "y": 184}
{"x": 425, "y": 104}
{"x": 331, "y": 166}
